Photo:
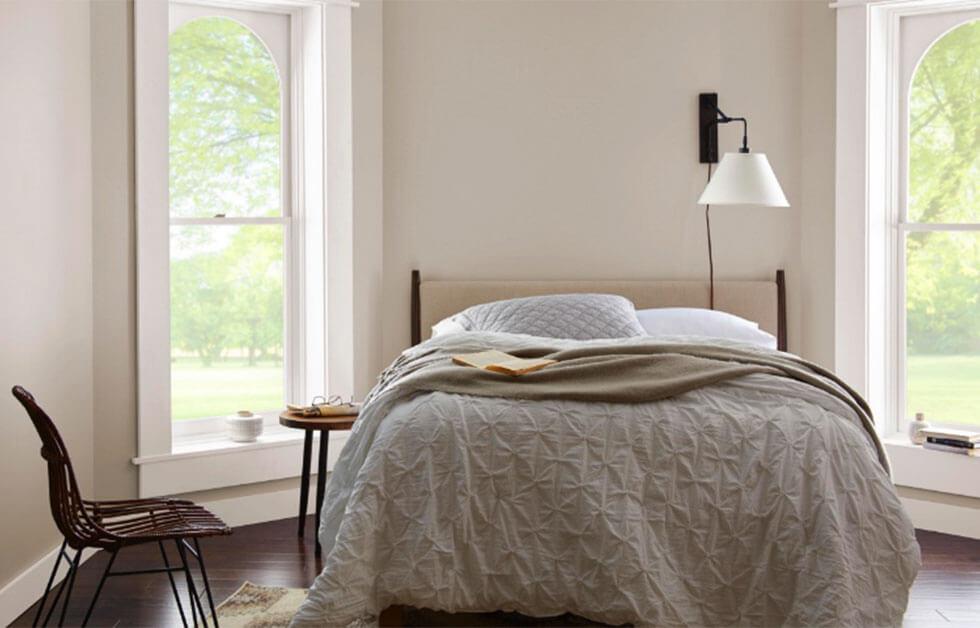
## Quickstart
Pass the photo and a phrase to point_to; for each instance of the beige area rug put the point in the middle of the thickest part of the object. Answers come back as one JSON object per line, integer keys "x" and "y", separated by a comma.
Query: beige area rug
{"x": 256, "y": 606}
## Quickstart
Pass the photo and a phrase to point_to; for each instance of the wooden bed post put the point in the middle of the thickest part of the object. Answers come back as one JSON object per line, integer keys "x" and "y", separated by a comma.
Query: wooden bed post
{"x": 416, "y": 308}
{"x": 781, "y": 310}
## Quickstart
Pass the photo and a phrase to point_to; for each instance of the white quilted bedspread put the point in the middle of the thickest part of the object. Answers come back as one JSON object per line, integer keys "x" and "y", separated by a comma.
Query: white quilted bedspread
{"x": 756, "y": 502}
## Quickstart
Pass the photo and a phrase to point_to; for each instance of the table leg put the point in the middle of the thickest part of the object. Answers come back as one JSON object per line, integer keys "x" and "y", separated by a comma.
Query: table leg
{"x": 304, "y": 485}
{"x": 321, "y": 481}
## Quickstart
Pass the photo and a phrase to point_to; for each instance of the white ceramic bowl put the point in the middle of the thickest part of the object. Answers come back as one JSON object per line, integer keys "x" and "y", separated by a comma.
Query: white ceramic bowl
{"x": 244, "y": 427}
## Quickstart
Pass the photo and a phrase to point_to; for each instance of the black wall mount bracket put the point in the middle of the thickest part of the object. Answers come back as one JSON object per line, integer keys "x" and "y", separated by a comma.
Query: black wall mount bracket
{"x": 708, "y": 127}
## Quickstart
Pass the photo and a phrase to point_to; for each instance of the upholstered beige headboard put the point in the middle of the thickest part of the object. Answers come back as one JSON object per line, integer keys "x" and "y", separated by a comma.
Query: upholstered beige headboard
{"x": 761, "y": 301}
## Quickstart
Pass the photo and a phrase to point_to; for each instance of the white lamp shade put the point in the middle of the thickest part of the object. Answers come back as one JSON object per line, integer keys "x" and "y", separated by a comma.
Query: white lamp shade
{"x": 744, "y": 179}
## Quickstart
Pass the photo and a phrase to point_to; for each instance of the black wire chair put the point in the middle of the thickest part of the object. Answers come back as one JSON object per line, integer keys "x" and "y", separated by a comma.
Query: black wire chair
{"x": 112, "y": 525}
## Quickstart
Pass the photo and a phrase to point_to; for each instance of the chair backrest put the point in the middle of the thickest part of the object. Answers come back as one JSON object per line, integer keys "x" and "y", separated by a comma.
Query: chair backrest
{"x": 67, "y": 506}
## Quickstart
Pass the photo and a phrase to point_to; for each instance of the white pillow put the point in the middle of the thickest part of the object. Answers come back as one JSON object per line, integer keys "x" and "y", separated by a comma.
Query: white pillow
{"x": 689, "y": 321}
{"x": 447, "y": 326}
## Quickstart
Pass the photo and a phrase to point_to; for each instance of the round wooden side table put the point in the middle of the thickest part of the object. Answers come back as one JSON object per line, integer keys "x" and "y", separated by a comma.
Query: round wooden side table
{"x": 324, "y": 425}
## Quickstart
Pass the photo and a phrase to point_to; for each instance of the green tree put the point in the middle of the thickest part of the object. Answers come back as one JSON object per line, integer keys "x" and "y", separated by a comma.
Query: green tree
{"x": 225, "y": 122}
{"x": 257, "y": 273}
{"x": 200, "y": 306}
{"x": 225, "y": 158}
{"x": 230, "y": 297}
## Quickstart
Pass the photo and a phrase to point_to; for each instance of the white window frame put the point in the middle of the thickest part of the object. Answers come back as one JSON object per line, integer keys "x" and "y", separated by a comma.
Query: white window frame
{"x": 291, "y": 219}
{"x": 869, "y": 303}
{"x": 870, "y": 308}
{"x": 321, "y": 173}
{"x": 908, "y": 55}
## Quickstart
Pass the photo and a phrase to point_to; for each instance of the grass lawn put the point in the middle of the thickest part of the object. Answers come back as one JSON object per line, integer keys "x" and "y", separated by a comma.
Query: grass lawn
{"x": 223, "y": 388}
{"x": 945, "y": 387}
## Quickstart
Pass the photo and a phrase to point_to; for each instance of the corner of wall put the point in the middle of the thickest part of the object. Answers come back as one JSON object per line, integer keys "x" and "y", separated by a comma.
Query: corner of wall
{"x": 817, "y": 236}
{"x": 367, "y": 88}
{"x": 47, "y": 344}
{"x": 114, "y": 246}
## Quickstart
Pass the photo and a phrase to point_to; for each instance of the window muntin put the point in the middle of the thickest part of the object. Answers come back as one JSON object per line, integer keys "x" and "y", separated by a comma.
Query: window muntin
{"x": 229, "y": 235}
{"x": 941, "y": 233}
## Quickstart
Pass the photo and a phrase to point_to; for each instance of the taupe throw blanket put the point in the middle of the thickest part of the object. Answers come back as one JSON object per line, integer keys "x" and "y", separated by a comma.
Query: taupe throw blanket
{"x": 639, "y": 372}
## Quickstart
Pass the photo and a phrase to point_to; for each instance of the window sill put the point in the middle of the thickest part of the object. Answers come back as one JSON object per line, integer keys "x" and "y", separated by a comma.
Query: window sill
{"x": 916, "y": 467}
{"x": 216, "y": 443}
{"x": 208, "y": 461}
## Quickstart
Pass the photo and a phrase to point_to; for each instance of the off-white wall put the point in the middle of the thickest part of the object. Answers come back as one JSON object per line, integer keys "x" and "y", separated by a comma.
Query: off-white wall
{"x": 518, "y": 140}
{"x": 46, "y": 256}
{"x": 523, "y": 140}
{"x": 559, "y": 140}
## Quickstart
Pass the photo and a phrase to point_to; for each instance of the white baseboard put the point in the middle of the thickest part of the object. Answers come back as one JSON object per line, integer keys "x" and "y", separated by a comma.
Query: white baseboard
{"x": 945, "y": 518}
{"x": 18, "y": 594}
{"x": 243, "y": 511}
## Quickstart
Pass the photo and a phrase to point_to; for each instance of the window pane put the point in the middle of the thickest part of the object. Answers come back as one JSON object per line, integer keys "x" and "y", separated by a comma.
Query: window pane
{"x": 226, "y": 319}
{"x": 943, "y": 300}
{"x": 944, "y": 130}
{"x": 225, "y": 123}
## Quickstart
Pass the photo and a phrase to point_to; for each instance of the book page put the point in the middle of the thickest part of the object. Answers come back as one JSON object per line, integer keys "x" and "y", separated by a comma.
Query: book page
{"x": 501, "y": 362}
{"x": 518, "y": 364}
{"x": 483, "y": 359}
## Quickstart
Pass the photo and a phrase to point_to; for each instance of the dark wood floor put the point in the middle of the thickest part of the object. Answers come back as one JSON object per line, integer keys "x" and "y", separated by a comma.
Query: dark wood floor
{"x": 947, "y": 589}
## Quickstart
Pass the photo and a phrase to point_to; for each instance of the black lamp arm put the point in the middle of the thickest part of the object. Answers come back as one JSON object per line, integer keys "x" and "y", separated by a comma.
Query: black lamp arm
{"x": 725, "y": 119}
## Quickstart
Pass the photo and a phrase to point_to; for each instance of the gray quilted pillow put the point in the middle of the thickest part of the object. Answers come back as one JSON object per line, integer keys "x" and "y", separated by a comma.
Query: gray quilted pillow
{"x": 576, "y": 316}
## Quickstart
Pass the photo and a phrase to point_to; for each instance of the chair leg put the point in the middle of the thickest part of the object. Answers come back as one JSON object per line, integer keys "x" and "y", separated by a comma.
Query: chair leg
{"x": 71, "y": 585}
{"x": 207, "y": 584}
{"x": 173, "y": 585}
{"x": 47, "y": 589}
{"x": 191, "y": 588}
{"x": 61, "y": 589}
{"x": 188, "y": 582}
{"x": 98, "y": 589}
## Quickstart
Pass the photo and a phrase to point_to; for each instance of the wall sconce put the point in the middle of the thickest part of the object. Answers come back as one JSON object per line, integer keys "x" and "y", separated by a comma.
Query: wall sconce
{"x": 743, "y": 178}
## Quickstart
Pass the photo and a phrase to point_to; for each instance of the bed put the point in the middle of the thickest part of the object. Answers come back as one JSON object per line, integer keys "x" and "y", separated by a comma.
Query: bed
{"x": 640, "y": 480}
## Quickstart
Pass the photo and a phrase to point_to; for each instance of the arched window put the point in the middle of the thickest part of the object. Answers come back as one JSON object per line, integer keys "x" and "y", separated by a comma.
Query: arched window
{"x": 225, "y": 122}
{"x": 939, "y": 228}
{"x": 233, "y": 106}
{"x": 229, "y": 213}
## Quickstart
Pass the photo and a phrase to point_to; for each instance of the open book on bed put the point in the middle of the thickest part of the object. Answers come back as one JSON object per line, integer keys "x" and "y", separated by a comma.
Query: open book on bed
{"x": 501, "y": 362}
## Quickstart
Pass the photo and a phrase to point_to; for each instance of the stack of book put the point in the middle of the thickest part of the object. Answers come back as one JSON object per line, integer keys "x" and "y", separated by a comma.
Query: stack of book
{"x": 962, "y": 442}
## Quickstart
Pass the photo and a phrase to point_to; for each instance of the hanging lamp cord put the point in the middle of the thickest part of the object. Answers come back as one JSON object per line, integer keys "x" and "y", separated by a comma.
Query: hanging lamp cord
{"x": 711, "y": 262}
